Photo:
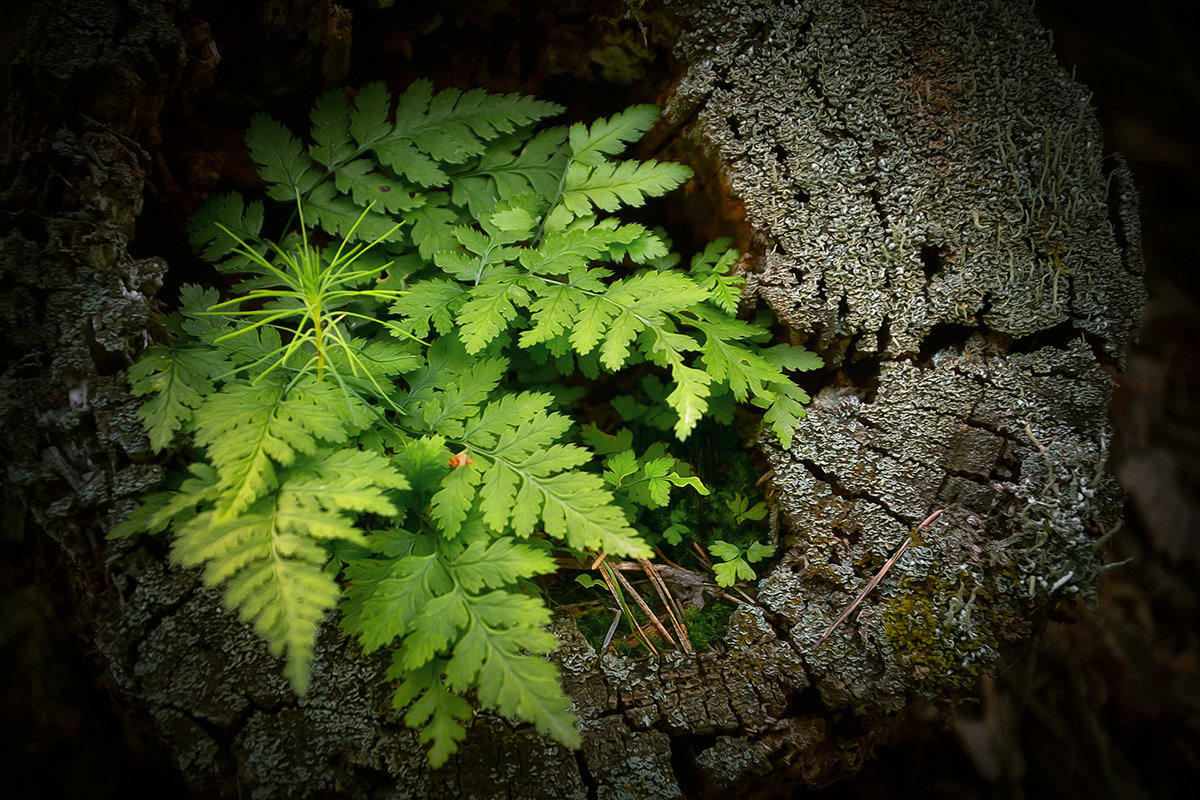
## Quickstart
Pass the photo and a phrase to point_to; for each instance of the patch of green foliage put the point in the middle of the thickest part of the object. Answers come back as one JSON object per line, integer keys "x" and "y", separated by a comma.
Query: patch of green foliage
{"x": 706, "y": 626}
{"x": 379, "y": 416}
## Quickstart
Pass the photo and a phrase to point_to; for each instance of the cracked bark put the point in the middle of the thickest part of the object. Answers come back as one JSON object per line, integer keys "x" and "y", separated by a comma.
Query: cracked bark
{"x": 924, "y": 188}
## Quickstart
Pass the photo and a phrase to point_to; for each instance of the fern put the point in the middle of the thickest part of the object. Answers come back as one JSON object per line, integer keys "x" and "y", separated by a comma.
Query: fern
{"x": 350, "y": 413}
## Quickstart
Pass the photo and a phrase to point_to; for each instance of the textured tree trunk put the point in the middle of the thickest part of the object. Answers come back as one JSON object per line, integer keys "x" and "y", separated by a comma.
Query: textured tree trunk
{"x": 924, "y": 192}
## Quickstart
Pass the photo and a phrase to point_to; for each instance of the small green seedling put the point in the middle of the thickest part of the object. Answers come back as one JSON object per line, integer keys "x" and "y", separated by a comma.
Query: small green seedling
{"x": 735, "y": 562}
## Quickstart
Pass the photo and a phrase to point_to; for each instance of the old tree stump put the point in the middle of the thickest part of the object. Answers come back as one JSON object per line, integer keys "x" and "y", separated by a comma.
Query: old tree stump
{"x": 925, "y": 197}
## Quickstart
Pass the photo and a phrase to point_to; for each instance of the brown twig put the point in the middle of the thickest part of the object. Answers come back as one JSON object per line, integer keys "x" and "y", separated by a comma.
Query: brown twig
{"x": 750, "y": 600}
{"x": 871, "y": 584}
{"x": 609, "y": 575}
{"x": 654, "y": 620}
{"x": 669, "y": 602}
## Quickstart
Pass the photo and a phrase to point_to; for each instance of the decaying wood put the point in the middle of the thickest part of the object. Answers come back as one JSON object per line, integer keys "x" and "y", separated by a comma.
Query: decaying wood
{"x": 926, "y": 191}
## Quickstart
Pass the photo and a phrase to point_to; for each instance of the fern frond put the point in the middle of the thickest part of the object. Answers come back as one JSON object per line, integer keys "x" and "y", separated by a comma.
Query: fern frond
{"x": 224, "y": 223}
{"x": 158, "y": 511}
{"x": 346, "y": 480}
{"x": 275, "y": 578}
{"x": 453, "y": 126}
{"x": 501, "y": 174}
{"x": 610, "y": 185}
{"x": 490, "y": 307}
{"x": 437, "y": 712}
{"x": 250, "y": 430}
{"x": 384, "y": 597}
{"x": 711, "y": 269}
{"x": 333, "y": 145}
{"x": 179, "y": 377}
{"x": 743, "y": 369}
{"x": 638, "y": 303}
{"x": 610, "y": 136}
{"x": 430, "y": 305}
{"x": 498, "y": 563}
{"x": 270, "y": 555}
{"x": 525, "y": 478}
{"x": 784, "y": 413}
{"x": 366, "y": 185}
{"x": 455, "y": 638}
{"x": 433, "y": 225}
{"x": 341, "y": 216}
{"x": 283, "y": 161}
{"x": 450, "y": 127}
{"x": 494, "y": 655}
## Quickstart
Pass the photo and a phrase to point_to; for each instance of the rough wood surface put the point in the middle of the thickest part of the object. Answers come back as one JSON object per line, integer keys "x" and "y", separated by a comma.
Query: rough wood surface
{"x": 937, "y": 220}
{"x": 925, "y": 188}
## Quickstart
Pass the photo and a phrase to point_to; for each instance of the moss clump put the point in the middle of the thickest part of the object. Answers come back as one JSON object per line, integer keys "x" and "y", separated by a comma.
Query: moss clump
{"x": 706, "y": 626}
{"x": 943, "y": 634}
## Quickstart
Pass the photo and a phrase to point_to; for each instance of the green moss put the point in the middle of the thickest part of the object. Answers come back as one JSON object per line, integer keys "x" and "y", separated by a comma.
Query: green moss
{"x": 943, "y": 633}
{"x": 594, "y": 624}
{"x": 706, "y": 626}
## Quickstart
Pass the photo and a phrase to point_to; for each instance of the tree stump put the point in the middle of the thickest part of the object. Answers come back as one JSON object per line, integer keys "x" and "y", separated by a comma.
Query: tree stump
{"x": 925, "y": 197}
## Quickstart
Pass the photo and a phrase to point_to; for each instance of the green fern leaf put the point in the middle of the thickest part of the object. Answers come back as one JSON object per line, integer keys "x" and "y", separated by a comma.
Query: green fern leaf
{"x": 340, "y": 215}
{"x": 745, "y": 370}
{"x": 609, "y": 137}
{"x": 608, "y": 186}
{"x": 160, "y": 510}
{"x": 497, "y": 564}
{"x": 454, "y": 501}
{"x": 640, "y": 302}
{"x": 456, "y": 394}
{"x": 712, "y": 271}
{"x": 179, "y": 378}
{"x": 553, "y": 313}
{"x": 490, "y": 308}
{"x": 283, "y": 161}
{"x": 433, "y": 225}
{"x": 383, "y": 598}
{"x": 435, "y": 629}
{"x": 212, "y": 229}
{"x": 270, "y": 556}
{"x": 493, "y": 654}
{"x": 430, "y": 305}
{"x": 792, "y": 358}
{"x": 332, "y": 143}
{"x": 406, "y": 160}
{"x": 344, "y": 480}
{"x": 500, "y": 174}
{"x": 689, "y": 398}
{"x": 453, "y": 126}
{"x": 275, "y": 578}
{"x": 248, "y": 429}
{"x": 567, "y": 251}
{"x": 369, "y": 118}
{"x": 366, "y": 185}
{"x": 437, "y": 712}
{"x": 785, "y": 412}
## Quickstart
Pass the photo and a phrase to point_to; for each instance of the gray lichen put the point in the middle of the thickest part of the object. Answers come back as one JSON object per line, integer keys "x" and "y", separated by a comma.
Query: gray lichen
{"x": 1019, "y": 530}
{"x": 910, "y": 165}
{"x": 917, "y": 174}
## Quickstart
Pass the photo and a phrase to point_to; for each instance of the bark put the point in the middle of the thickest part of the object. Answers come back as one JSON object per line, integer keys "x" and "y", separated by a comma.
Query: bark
{"x": 925, "y": 189}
